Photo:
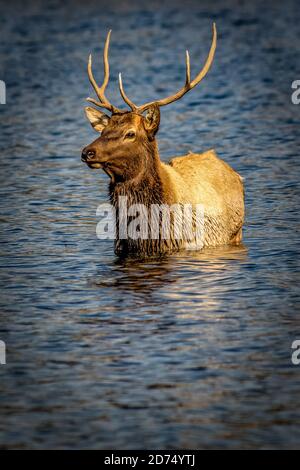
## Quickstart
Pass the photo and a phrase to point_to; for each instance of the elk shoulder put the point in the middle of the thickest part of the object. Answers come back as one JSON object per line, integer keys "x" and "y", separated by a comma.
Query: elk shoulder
{"x": 203, "y": 178}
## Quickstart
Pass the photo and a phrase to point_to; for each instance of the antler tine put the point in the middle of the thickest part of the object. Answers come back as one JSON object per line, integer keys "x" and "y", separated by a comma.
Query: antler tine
{"x": 188, "y": 68}
{"x": 100, "y": 91}
{"x": 124, "y": 96}
{"x": 188, "y": 83}
{"x": 209, "y": 59}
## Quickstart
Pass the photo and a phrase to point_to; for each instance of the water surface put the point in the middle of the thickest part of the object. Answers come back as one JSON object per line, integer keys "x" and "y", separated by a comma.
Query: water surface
{"x": 193, "y": 350}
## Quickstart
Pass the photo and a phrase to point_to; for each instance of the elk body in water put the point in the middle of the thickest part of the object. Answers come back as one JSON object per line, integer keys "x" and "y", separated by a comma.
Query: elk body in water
{"x": 127, "y": 151}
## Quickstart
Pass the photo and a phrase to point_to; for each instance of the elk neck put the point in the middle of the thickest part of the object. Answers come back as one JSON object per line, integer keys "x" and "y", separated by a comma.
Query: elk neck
{"x": 147, "y": 186}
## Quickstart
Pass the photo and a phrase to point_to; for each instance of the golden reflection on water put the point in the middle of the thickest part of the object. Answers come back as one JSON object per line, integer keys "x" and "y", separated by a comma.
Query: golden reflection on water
{"x": 148, "y": 276}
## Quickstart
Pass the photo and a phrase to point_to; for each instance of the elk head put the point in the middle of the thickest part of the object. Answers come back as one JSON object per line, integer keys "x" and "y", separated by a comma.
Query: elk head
{"x": 127, "y": 146}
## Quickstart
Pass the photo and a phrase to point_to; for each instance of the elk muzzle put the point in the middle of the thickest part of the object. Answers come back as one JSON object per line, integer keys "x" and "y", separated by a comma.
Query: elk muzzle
{"x": 90, "y": 157}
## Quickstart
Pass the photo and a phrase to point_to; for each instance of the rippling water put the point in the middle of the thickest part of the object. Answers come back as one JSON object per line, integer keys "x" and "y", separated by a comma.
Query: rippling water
{"x": 194, "y": 350}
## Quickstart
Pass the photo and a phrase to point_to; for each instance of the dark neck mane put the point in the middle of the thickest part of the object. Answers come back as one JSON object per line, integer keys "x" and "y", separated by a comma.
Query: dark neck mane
{"x": 146, "y": 188}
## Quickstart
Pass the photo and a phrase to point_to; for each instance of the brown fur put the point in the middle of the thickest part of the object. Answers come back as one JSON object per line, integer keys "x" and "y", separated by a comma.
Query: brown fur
{"x": 136, "y": 171}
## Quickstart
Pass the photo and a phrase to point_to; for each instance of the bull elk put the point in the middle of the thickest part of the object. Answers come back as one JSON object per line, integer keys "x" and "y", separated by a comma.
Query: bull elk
{"x": 127, "y": 151}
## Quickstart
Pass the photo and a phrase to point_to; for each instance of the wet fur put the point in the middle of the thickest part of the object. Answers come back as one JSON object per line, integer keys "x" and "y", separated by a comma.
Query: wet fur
{"x": 137, "y": 172}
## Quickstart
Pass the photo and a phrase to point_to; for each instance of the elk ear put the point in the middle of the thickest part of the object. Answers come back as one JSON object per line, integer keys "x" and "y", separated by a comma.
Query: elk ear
{"x": 152, "y": 120}
{"x": 97, "y": 119}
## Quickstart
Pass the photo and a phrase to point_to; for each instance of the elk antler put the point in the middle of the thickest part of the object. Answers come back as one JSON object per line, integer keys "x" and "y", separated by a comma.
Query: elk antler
{"x": 188, "y": 83}
{"x": 100, "y": 91}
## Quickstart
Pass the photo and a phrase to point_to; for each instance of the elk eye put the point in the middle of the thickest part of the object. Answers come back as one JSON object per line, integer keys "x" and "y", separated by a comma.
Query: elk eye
{"x": 130, "y": 135}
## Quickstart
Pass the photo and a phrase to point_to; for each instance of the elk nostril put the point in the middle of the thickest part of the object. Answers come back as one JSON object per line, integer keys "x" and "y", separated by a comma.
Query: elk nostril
{"x": 90, "y": 154}
{"x": 87, "y": 155}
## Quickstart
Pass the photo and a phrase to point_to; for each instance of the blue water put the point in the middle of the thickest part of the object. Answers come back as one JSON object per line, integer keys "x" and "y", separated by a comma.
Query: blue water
{"x": 194, "y": 350}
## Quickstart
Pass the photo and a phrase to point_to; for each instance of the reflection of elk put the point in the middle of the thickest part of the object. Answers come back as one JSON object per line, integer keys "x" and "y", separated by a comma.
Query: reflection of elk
{"x": 128, "y": 153}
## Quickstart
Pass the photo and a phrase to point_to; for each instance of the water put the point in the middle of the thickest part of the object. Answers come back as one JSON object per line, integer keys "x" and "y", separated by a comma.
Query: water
{"x": 194, "y": 350}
